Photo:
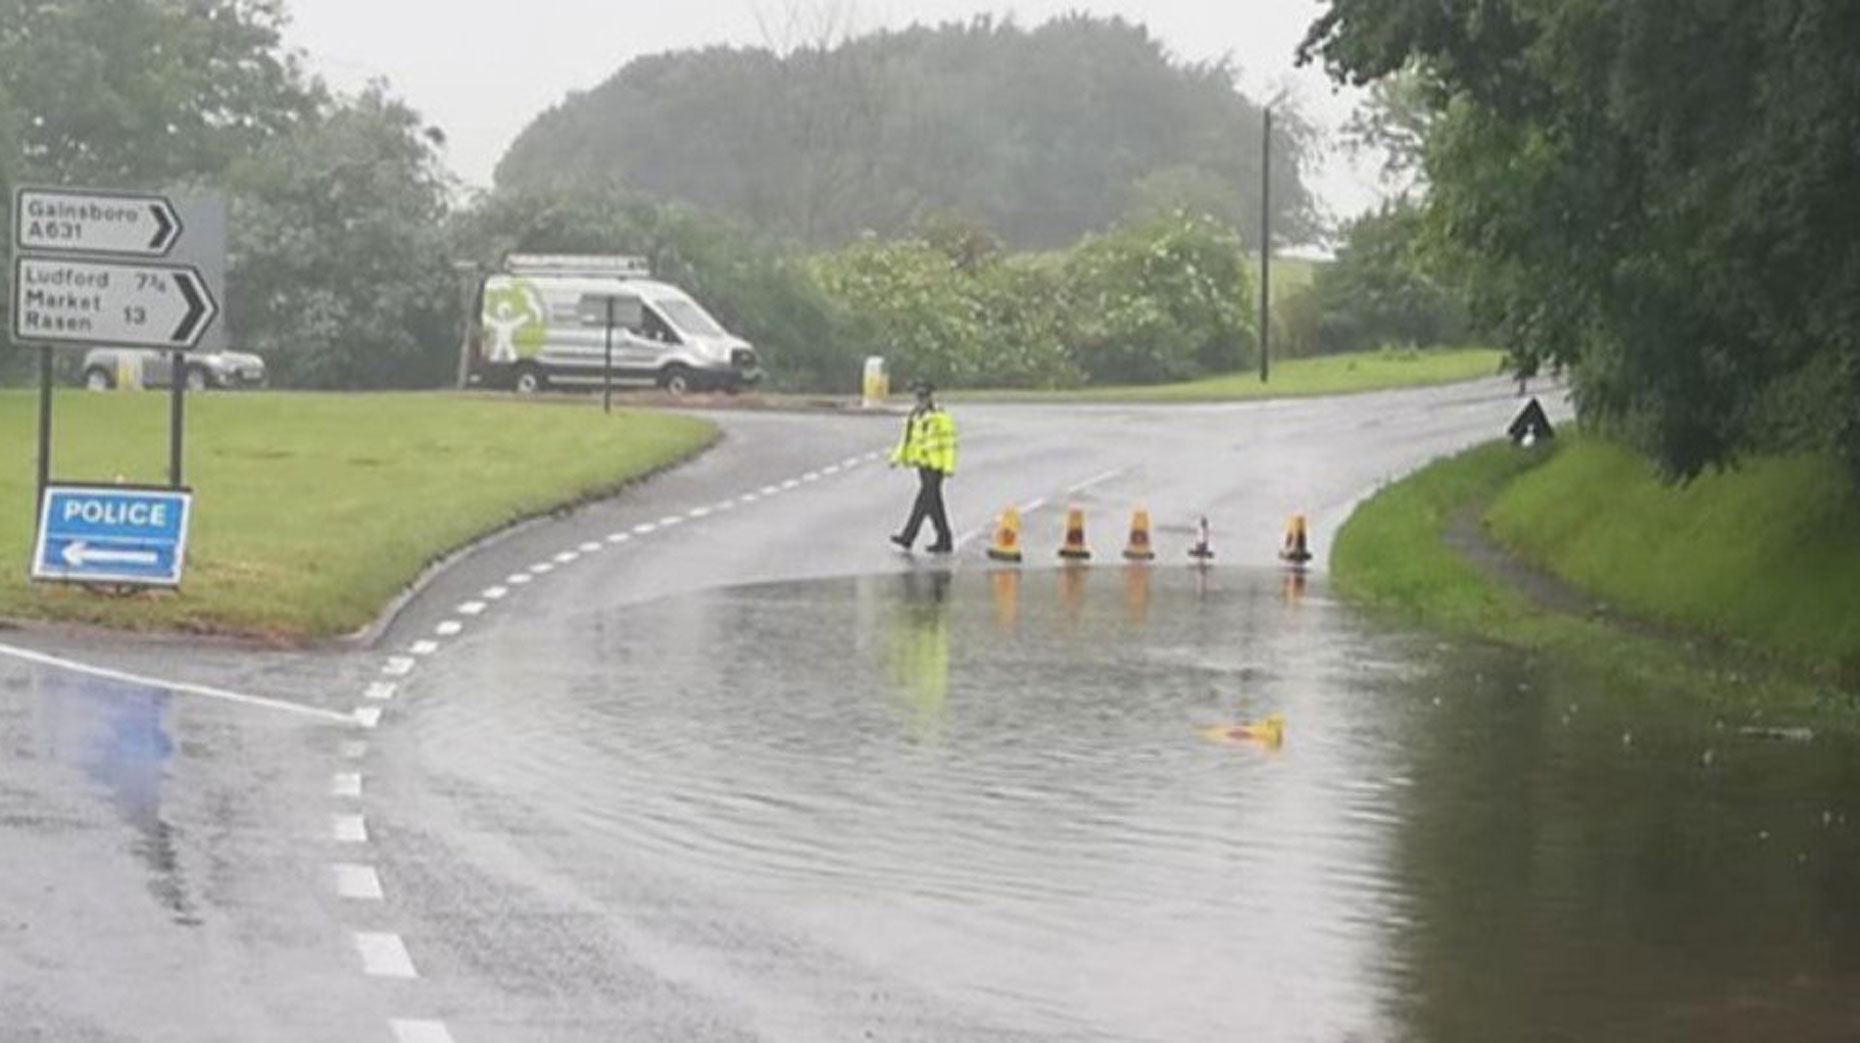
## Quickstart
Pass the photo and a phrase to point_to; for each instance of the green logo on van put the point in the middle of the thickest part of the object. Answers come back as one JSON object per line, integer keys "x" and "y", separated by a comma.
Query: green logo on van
{"x": 514, "y": 324}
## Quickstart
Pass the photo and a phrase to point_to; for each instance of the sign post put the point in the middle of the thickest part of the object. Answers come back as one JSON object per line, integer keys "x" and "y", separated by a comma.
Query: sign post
{"x": 128, "y": 269}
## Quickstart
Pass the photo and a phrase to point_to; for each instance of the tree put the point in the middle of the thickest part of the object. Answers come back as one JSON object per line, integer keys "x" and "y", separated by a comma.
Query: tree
{"x": 1382, "y": 288}
{"x": 340, "y": 273}
{"x": 1657, "y": 194}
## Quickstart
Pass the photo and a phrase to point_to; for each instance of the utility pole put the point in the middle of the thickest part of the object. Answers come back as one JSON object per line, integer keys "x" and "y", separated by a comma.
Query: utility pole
{"x": 1265, "y": 243}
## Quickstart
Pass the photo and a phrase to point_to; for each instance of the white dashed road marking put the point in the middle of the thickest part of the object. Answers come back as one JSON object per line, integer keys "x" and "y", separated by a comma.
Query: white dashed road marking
{"x": 518, "y": 578}
{"x": 541, "y": 567}
{"x": 423, "y": 647}
{"x": 494, "y": 593}
{"x": 697, "y": 512}
{"x": 669, "y": 520}
{"x": 471, "y": 608}
{"x": 590, "y": 547}
{"x": 406, "y": 1031}
{"x": 345, "y": 784}
{"x": 368, "y": 716}
{"x": 398, "y": 666}
{"x": 348, "y": 829}
{"x": 770, "y": 490}
{"x": 644, "y": 527}
{"x": 619, "y": 537}
{"x": 566, "y": 556}
{"x": 830, "y": 469}
{"x": 791, "y": 483}
{"x": 748, "y": 498}
{"x": 384, "y": 955}
{"x": 449, "y": 627}
{"x": 353, "y": 881}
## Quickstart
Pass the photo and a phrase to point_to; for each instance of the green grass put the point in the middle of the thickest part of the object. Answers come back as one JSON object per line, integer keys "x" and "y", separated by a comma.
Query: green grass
{"x": 1322, "y": 375}
{"x": 1392, "y": 556}
{"x": 1768, "y": 554}
{"x": 312, "y": 511}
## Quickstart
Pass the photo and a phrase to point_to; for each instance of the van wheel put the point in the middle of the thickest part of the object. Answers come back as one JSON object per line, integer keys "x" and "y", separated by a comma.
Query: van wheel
{"x": 528, "y": 380}
{"x": 677, "y": 379}
{"x": 96, "y": 378}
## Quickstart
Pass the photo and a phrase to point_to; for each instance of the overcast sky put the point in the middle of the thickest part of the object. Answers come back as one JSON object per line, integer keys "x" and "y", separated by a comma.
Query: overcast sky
{"x": 481, "y": 71}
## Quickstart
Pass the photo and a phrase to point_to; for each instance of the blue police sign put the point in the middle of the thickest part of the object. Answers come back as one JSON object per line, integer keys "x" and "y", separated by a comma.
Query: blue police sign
{"x": 112, "y": 534}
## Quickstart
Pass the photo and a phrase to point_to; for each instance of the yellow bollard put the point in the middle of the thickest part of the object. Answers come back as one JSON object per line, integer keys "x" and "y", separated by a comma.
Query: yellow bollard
{"x": 1296, "y": 549}
{"x": 1074, "y": 547}
{"x": 1138, "y": 549}
{"x": 1007, "y": 537}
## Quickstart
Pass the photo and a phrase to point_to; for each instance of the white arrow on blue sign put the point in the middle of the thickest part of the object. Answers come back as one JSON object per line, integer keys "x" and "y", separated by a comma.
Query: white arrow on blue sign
{"x": 112, "y": 534}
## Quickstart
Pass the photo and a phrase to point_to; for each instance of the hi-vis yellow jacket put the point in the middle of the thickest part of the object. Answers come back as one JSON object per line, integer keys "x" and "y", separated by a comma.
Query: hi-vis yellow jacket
{"x": 929, "y": 441}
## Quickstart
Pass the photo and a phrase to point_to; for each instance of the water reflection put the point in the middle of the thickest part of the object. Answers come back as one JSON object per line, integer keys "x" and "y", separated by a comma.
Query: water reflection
{"x": 1451, "y": 844}
{"x": 117, "y": 733}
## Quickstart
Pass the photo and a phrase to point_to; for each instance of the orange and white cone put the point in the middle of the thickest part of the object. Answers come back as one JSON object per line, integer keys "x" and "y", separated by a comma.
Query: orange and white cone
{"x": 1074, "y": 548}
{"x": 1139, "y": 549}
{"x": 1007, "y": 537}
{"x": 1296, "y": 549}
{"x": 1203, "y": 550}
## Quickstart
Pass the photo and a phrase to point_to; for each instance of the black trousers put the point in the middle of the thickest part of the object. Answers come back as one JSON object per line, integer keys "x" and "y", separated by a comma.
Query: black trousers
{"x": 929, "y": 505}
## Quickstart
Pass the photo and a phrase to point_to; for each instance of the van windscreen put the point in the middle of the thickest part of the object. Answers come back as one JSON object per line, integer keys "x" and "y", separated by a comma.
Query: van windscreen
{"x": 688, "y": 317}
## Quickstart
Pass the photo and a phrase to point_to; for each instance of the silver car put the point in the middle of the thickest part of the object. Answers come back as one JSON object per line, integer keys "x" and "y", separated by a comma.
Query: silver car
{"x": 201, "y": 370}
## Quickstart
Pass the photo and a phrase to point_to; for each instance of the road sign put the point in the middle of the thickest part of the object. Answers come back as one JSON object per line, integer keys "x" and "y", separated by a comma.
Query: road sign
{"x": 112, "y": 534}
{"x": 65, "y": 301}
{"x": 120, "y": 224}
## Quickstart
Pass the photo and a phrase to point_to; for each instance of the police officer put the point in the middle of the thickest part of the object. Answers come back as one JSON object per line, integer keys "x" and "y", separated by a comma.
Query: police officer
{"x": 930, "y": 446}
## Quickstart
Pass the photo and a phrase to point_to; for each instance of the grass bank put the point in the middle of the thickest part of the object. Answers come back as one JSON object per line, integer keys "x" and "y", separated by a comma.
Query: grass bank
{"x": 1581, "y": 509}
{"x": 1321, "y": 375}
{"x": 312, "y": 511}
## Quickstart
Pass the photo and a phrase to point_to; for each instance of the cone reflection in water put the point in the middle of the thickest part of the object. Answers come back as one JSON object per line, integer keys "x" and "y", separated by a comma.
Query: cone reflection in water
{"x": 1292, "y": 586}
{"x": 1139, "y": 549}
{"x": 1007, "y": 537}
{"x": 1073, "y": 549}
{"x": 1072, "y": 592}
{"x": 1137, "y": 594}
{"x": 1005, "y": 583}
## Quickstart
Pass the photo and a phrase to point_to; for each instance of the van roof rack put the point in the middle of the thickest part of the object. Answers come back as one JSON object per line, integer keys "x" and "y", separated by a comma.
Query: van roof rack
{"x": 621, "y": 265}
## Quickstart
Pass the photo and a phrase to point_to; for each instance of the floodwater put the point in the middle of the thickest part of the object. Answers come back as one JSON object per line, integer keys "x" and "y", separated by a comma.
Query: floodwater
{"x": 1016, "y": 791}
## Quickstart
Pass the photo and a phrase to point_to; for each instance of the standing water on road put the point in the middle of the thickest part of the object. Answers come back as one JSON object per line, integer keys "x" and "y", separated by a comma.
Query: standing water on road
{"x": 1011, "y": 796}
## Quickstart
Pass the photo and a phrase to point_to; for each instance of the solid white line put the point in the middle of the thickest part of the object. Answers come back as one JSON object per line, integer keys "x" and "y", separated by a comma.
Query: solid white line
{"x": 493, "y": 593}
{"x": 669, "y": 520}
{"x": 697, "y": 512}
{"x": 1095, "y": 479}
{"x": 398, "y": 666}
{"x": 384, "y": 955}
{"x": 643, "y": 528}
{"x": 1033, "y": 505}
{"x": 423, "y": 647}
{"x": 406, "y": 1031}
{"x": 470, "y": 608}
{"x": 590, "y": 547}
{"x": 173, "y": 686}
{"x": 367, "y": 716}
{"x": 566, "y": 556}
{"x": 619, "y": 537}
{"x": 353, "y": 881}
{"x": 518, "y": 578}
{"x": 349, "y": 829}
{"x": 380, "y": 690}
{"x": 963, "y": 540}
{"x": 345, "y": 784}
{"x": 448, "y": 627}
{"x": 354, "y": 749}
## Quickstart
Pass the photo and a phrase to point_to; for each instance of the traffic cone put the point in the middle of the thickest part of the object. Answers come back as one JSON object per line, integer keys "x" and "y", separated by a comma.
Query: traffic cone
{"x": 1203, "y": 550}
{"x": 1007, "y": 537}
{"x": 1074, "y": 547}
{"x": 1296, "y": 551}
{"x": 1138, "y": 549}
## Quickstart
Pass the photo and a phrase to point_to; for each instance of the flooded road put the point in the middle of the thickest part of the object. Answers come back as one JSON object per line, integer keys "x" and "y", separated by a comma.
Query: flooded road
{"x": 1007, "y": 805}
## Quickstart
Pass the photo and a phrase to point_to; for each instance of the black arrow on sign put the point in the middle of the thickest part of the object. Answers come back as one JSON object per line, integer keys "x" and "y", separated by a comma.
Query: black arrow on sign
{"x": 164, "y": 229}
{"x": 196, "y": 309}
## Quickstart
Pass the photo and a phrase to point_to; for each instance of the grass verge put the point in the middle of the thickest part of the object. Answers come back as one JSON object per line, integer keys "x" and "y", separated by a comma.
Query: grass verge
{"x": 1322, "y": 375}
{"x": 1393, "y": 554}
{"x": 312, "y": 511}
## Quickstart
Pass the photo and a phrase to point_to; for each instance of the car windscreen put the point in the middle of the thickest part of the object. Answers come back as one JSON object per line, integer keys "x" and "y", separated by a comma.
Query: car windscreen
{"x": 688, "y": 317}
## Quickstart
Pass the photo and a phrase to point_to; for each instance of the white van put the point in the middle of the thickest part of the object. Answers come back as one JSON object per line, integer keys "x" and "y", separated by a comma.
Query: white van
{"x": 542, "y": 321}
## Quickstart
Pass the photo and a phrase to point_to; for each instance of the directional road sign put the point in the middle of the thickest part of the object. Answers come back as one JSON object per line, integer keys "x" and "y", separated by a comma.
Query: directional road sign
{"x": 112, "y": 534}
{"x": 61, "y": 300}
{"x": 120, "y": 224}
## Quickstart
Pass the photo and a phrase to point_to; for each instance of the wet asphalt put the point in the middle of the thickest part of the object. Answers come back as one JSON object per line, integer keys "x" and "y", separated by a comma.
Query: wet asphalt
{"x": 666, "y": 768}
